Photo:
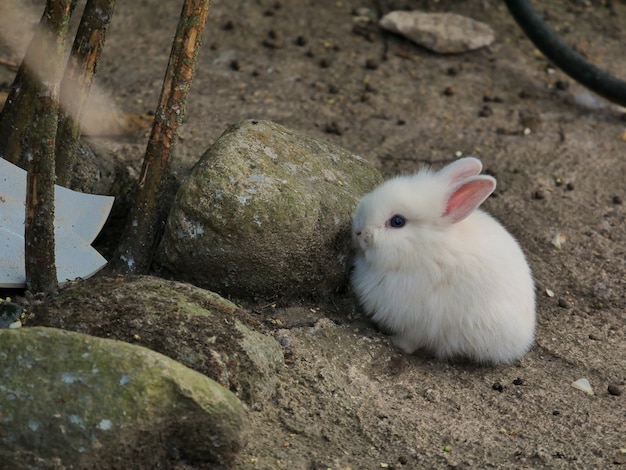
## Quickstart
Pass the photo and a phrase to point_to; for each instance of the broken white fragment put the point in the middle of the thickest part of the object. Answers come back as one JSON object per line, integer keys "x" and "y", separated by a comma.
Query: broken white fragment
{"x": 444, "y": 33}
{"x": 584, "y": 385}
{"x": 78, "y": 219}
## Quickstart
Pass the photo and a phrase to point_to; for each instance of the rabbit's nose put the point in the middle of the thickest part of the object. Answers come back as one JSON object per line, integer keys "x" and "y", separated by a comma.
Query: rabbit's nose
{"x": 358, "y": 232}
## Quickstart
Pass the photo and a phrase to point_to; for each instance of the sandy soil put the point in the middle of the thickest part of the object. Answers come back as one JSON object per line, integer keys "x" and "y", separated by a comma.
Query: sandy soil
{"x": 346, "y": 398}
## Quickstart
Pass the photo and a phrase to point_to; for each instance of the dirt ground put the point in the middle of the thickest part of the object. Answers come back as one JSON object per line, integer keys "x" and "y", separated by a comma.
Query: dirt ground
{"x": 346, "y": 398}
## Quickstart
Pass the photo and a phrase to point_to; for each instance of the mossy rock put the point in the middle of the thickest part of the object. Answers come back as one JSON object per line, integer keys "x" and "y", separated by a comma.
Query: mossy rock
{"x": 265, "y": 212}
{"x": 194, "y": 326}
{"x": 69, "y": 400}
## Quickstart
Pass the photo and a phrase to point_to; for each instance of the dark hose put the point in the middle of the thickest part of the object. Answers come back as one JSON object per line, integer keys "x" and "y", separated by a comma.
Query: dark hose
{"x": 563, "y": 56}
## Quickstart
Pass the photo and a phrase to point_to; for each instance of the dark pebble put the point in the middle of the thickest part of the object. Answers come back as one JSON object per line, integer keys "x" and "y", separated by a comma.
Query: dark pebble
{"x": 333, "y": 89}
{"x": 617, "y": 200}
{"x": 614, "y": 390}
{"x": 492, "y": 99}
{"x": 401, "y": 122}
{"x": 570, "y": 186}
{"x": 324, "y": 63}
{"x": 300, "y": 41}
{"x": 498, "y": 387}
{"x": 272, "y": 34}
{"x": 556, "y": 413}
{"x": 485, "y": 111}
{"x": 371, "y": 64}
{"x": 367, "y": 31}
{"x": 402, "y": 460}
{"x": 9, "y": 313}
{"x": 270, "y": 44}
{"x": 369, "y": 87}
{"x": 449, "y": 91}
{"x": 333, "y": 128}
{"x": 228, "y": 26}
{"x": 564, "y": 303}
{"x": 561, "y": 85}
{"x": 519, "y": 381}
{"x": 539, "y": 194}
{"x": 234, "y": 64}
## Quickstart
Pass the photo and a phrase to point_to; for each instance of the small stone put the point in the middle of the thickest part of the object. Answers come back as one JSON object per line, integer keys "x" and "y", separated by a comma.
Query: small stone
{"x": 324, "y": 63}
{"x": 570, "y": 186}
{"x": 300, "y": 41}
{"x": 371, "y": 64}
{"x": 270, "y": 44}
{"x": 449, "y": 91}
{"x": 614, "y": 390}
{"x": 519, "y": 381}
{"x": 444, "y": 33}
{"x": 498, "y": 387}
{"x": 369, "y": 87}
{"x": 539, "y": 194}
{"x": 561, "y": 85}
{"x": 486, "y": 111}
{"x": 617, "y": 200}
{"x": 564, "y": 303}
{"x": 333, "y": 128}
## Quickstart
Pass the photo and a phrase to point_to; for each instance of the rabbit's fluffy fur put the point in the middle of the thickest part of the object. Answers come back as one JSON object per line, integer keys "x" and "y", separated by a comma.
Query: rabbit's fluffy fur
{"x": 451, "y": 280}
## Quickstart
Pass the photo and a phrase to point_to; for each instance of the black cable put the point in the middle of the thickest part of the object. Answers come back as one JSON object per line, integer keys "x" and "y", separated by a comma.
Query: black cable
{"x": 563, "y": 56}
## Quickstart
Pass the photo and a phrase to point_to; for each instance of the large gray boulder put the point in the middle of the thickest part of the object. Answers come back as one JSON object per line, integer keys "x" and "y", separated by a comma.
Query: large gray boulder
{"x": 191, "y": 325}
{"x": 69, "y": 400}
{"x": 266, "y": 211}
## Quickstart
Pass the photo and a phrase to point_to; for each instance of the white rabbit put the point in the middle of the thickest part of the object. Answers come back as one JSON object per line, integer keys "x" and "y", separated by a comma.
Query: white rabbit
{"x": 439, "y": 274}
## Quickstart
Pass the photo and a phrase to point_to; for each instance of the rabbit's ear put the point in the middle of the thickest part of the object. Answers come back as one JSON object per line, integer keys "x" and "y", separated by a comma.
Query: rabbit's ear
{"x": 461, "y": 169}
{"x": 467, "y": 196}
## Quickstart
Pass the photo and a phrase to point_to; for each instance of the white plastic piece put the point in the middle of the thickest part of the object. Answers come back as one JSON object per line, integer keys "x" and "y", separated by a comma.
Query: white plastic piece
{"x": 78, "y": 220}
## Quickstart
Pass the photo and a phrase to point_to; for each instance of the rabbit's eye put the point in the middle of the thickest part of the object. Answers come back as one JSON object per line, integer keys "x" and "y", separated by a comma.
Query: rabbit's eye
{"x": 396, "y": 221}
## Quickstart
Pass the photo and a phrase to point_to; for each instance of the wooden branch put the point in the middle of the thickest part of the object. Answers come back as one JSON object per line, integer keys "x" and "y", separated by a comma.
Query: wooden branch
{"x": 146, "y": 219}
{"x": 77, "y": 81}
{"x": 45, "y": 58}
{"x": 18, "y": 113}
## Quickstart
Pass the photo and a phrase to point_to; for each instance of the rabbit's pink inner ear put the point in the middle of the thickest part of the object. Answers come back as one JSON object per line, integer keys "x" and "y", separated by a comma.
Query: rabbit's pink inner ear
{"x": 467, "y": 196}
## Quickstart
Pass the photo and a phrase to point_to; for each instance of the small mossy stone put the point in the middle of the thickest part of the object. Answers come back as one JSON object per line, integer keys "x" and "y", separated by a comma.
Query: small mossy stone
{"x": 266, "y": 211}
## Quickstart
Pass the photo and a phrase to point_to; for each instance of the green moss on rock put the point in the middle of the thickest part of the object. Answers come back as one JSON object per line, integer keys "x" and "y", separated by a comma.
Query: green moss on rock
{"x": 88, "y": 402}
{"x": 266, "y": 211}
